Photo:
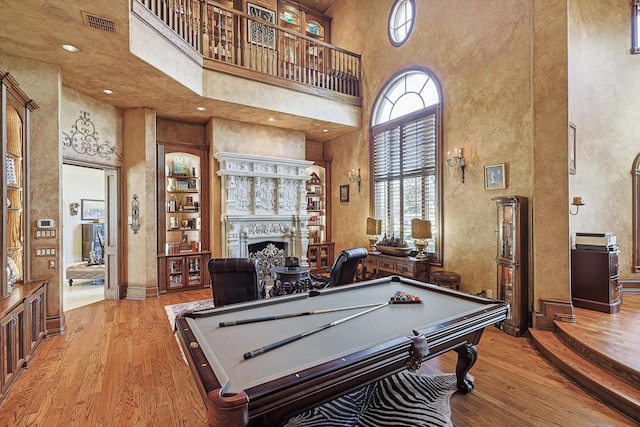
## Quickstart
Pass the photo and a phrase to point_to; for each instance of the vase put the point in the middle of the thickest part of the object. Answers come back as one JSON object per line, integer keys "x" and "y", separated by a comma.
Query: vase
{"x": 171, "y": 186}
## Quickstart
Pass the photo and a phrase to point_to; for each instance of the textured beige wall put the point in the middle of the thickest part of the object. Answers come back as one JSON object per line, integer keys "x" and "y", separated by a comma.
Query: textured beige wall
{"x": 139, "y": 256}
{"x": 481, "y": 54}
{"x": 42, "y": 82}
{"x": 106, "y": 120}
{"x": 604, "y": 106}
{"x": 550, "y": 237}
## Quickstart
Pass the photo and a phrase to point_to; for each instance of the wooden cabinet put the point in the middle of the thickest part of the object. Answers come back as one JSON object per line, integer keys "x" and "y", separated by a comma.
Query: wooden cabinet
{"x": 15, "y": 119}
{"x": 36, "y": 326}
{"x": 183, "y": 217}
{"x": 13, "y": 347}
{"x": 321, "y": 256}
{"x": 377, "y": 264}
{"x": 512, "y": 260}
{"x": 594, "y": 280}
{"x": 22, "y": 329}
{"x": 22, "y": 301}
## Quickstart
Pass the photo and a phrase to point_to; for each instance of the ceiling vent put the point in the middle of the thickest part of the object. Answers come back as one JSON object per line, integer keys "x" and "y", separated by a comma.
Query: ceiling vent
{"x": 99, "y": 23}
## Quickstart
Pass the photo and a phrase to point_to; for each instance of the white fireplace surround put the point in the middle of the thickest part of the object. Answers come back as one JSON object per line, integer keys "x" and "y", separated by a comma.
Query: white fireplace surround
{"x": 263, "y": 199}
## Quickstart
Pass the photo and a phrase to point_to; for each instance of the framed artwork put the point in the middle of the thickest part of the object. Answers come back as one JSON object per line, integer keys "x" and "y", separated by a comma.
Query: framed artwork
{"x": 494, "y": 177}
{"x": 181, "y": 166}
{"x": 572, "y": 148}
{"x": 344, "y": 193}
{"x": 260, "y": 34}
{"x": 92, "y": 209}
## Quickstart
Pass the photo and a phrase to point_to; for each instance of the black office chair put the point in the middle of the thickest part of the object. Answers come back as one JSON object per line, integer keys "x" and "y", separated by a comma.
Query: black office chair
{"x": 344, "y": 269}
{"x": 234, "y": 280}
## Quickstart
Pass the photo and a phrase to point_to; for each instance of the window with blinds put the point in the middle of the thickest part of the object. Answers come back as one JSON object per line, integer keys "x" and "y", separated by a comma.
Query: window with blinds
{"x": 405, "y": 159}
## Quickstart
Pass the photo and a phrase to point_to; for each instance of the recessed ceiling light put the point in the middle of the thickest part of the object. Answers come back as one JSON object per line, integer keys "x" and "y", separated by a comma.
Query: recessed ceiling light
{"x": 200, "y": 108}
{"x": 70, "y": 48}
{"x": 108, "y": 91}
{"x": 325, "y": 130}
{"x": 271, "y": 119}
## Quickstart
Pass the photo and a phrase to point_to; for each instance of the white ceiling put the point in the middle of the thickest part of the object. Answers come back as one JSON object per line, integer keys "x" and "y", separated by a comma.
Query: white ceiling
{"x": 35, "y": 29}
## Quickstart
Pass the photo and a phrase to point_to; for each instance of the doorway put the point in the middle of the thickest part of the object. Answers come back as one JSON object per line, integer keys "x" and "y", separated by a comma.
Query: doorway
{"x": 83, "y": 192}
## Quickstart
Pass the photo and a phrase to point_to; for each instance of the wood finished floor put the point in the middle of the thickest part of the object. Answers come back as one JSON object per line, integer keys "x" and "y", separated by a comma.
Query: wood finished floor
{"x": 119, "y": 364}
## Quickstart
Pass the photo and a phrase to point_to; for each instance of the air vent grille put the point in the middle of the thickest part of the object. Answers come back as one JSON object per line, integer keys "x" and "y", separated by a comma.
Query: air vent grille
{"x": 99, "y": 23}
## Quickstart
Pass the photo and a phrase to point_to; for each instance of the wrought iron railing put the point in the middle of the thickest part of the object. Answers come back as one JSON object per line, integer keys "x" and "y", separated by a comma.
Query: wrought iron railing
{"x": 229, "y": 36}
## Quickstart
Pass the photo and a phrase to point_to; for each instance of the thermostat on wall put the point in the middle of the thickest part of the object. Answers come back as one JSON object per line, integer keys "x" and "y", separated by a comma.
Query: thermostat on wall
{"x": 46, "y": 223}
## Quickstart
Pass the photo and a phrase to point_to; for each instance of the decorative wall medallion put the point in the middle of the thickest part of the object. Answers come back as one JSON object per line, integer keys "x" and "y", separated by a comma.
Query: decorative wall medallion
{"x": 83, "y": 139}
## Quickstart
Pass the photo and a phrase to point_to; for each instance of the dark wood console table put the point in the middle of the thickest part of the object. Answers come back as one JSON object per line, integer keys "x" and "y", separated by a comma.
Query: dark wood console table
{"x": 377, "y": 264}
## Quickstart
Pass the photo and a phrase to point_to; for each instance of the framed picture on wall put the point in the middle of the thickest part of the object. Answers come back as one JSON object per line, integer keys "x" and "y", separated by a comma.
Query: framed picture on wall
{"x": 344, "y": 193}
{"x": 494, "y": 177}
{"x": 92, "y": 209}
{"x": 572, "y": 148}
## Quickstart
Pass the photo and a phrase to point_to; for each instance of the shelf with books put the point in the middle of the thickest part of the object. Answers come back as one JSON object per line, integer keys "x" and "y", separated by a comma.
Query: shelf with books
{"x": 183, "y": 237}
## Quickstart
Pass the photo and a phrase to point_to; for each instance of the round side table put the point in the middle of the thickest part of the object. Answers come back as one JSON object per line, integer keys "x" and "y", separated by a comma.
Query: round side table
{"x": 446, "y": 279}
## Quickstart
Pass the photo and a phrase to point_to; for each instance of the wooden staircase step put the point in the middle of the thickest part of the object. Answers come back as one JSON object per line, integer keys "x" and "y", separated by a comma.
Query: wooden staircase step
{"x": 621, "y": 361}
{"x": 611, "y": 389}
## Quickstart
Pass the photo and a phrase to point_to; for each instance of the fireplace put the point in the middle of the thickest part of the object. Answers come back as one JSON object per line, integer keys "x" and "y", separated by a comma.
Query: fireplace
{"x": 263, "y": 200}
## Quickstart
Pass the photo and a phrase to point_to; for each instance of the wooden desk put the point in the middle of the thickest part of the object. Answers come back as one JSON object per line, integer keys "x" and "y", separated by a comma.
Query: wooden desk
{"x": 377, "y": 264}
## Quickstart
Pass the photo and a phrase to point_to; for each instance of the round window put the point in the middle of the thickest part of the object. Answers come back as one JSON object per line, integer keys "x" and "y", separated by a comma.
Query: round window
{"x": 401, "y": 21}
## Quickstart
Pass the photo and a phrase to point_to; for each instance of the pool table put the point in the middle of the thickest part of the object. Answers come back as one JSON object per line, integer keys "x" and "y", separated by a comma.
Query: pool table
{"x": 265, "y": 389}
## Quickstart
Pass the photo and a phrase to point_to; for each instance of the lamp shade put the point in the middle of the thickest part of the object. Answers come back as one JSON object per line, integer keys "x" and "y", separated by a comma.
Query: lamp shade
{"x": 420, "y": 229}
{"x": 374, "y": 226}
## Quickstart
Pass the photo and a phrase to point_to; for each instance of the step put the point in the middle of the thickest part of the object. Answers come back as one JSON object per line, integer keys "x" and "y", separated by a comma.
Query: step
{"x": 619, "y": 394}
{"x": 615, "y": 365}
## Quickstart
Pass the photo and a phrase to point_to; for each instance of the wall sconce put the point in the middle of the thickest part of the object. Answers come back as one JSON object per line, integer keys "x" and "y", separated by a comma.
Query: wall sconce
{"x": 354, "y": 176}
{"x": 374, "y": 228}
{"x": 73, "y": 208}
{"x": 420, "y": 231}
{"x": 135, "y": 214}
{"x": 456, "y": 160}
{"x": 577, "y": 202}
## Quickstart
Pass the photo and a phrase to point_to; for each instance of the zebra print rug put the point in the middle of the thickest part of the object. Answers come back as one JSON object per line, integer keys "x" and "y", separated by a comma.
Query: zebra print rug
{"x": 403, "y": 399}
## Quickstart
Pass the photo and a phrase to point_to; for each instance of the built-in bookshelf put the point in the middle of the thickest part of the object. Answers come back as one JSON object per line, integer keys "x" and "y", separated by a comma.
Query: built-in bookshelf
{"x": 183, "y": 237}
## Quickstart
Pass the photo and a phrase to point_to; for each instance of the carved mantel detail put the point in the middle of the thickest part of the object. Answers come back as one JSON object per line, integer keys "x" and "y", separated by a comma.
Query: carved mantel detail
{"x": 263, "y": 199}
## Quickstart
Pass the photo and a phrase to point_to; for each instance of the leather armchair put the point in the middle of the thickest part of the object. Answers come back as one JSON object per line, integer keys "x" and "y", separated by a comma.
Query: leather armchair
{"x": 344, "y": 268}
{"x": 234, "y": 280}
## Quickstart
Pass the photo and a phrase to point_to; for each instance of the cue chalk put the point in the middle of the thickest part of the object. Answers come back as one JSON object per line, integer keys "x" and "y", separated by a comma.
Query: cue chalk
{"x": 288, "y": 315}
{"x": 268, "y": 347}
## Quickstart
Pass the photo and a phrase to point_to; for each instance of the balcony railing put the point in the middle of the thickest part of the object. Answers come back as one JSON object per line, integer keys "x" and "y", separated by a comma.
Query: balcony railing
{"x": 232, "y": 37}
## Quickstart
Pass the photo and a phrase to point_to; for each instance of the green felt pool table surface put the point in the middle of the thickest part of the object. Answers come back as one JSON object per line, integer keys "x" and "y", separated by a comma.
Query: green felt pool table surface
{"x": 318, "y": 364}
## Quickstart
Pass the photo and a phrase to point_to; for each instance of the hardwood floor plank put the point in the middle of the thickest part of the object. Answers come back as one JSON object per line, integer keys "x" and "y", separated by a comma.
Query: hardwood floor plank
{"x": 119, "y": 364}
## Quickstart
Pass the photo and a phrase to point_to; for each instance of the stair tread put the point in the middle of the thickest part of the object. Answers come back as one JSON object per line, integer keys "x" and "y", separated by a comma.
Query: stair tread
{"x": 588, "y": 371}
{"x": 598, "y": 343}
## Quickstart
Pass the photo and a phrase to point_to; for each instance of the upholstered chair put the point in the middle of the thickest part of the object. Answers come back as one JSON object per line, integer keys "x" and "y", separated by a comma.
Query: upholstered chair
{"x": 344, "y": 268}
{"x": 234, "y": 280}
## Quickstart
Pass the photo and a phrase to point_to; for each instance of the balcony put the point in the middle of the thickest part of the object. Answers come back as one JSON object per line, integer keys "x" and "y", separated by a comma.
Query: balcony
{"x": 233, "y": 42}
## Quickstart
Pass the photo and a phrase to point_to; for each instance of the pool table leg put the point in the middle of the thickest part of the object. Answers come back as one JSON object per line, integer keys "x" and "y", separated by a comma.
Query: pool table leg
{"x": 467, "y": 356}
{"x": 227, "y": 410}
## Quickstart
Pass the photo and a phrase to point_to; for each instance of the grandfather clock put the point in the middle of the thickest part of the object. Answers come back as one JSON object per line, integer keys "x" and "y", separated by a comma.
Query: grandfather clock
{"x": 512, "y": 260}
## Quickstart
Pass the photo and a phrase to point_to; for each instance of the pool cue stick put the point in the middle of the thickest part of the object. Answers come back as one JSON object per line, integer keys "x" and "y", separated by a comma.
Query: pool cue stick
{"x": 285, "y": 316}
{"x": 268, "y": 347}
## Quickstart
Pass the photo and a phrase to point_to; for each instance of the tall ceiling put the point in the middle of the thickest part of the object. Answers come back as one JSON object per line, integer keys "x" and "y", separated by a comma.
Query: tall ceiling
{"x": 35, "y": 29}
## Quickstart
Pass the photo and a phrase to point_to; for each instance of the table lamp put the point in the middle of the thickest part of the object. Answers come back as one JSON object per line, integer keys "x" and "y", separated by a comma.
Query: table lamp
{"x": 420, "y": 230}
{"x": 374, "y": 227}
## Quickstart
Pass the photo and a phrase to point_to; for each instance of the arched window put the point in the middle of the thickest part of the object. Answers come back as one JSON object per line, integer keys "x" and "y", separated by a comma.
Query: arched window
{"x": 405, "y": 152}
{"x": 401, "y": 21}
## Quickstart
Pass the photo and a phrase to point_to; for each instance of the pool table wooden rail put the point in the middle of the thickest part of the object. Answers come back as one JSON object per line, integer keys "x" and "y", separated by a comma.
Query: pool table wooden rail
{"x": 268, "y": 404}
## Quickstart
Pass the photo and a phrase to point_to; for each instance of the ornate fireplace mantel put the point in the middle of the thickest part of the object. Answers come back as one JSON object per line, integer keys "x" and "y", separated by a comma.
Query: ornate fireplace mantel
{"x": 263, "y": 199}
